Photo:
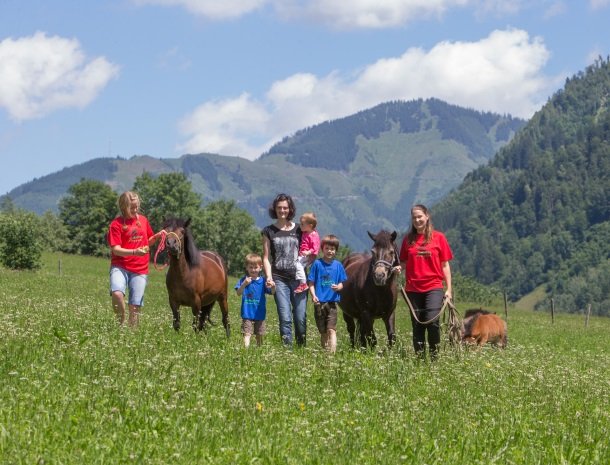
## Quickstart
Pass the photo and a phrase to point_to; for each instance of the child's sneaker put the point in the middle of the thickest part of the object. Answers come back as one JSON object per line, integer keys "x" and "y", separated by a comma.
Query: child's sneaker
{"x": 301, "y": 288}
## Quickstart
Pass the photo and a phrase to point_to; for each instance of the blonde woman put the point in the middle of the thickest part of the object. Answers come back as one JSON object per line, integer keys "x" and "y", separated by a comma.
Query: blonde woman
{"x": 129, "y": 237}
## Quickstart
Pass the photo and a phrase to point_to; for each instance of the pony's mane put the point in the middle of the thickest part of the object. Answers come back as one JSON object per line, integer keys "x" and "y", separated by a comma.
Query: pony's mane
{"x": 191, "y": 252}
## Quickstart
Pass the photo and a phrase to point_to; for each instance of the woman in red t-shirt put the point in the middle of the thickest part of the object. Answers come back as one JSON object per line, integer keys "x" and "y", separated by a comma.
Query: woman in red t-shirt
{"x": 425, "y": 256}
{"x": 129, "y": 237}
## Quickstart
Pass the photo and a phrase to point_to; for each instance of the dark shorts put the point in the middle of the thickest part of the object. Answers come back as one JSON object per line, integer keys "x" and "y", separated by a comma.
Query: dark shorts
{"x": 326, "y": 316}
{"x": 256, "y": 327}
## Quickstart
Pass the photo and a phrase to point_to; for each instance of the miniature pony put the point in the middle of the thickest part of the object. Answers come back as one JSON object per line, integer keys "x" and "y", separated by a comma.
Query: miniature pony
{"x": 481, "y": 326}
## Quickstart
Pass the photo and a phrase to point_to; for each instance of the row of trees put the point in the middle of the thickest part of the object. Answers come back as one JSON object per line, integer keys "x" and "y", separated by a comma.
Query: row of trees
{"x": 86, "y": 211}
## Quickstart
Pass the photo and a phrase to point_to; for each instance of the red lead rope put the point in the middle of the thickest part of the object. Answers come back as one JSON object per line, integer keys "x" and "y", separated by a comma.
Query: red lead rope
{"x": 160, "y": 248}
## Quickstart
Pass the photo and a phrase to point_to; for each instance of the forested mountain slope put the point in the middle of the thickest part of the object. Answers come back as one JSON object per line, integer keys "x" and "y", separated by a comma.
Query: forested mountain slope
{"x": 539, "y": 212}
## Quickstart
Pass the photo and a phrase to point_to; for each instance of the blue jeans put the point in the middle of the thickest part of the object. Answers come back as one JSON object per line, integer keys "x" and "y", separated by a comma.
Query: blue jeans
{"x": 121, "y": 280}
{"x": 291, "y": 307}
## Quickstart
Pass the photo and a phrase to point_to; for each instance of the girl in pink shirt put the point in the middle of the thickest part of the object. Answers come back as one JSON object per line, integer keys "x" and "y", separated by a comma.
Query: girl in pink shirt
{"x": 308, "y": 250}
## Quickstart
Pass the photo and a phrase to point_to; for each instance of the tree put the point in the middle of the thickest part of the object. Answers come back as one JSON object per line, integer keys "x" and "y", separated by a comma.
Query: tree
{"x": 170, "y": 194}
{"x": 86, "y": 211}
{"x": 20, "y": 246}
{"x": 53, "y": 233}
{"x": 228, "y": 230}
{"x": 7, "y": 205}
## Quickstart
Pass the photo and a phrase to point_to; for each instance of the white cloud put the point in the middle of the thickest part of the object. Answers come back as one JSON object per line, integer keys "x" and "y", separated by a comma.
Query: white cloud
{"x": 213, "y": 9}
{"x": 226, "y": 126}
{"x": 342, "y": 14}
{"x": 499, "y": 7}
{"x": 599, "y": 4}
{"x": 370, "y": 13}
{"x": 555, "y": 9}
{"x": 40, "y": 74}
{"x": 500, "y": 73}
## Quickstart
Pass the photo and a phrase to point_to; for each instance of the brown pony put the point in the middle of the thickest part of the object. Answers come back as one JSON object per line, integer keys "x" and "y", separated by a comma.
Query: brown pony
{"x": 370, "y": 291}
{"x": 481, "y": 326}
{"x": 196, "y": 278}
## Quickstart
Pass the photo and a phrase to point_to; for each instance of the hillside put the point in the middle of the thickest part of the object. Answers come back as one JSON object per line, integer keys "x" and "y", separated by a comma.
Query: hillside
{"x": 539, "y": 213}
{"x": 357, "y": 173}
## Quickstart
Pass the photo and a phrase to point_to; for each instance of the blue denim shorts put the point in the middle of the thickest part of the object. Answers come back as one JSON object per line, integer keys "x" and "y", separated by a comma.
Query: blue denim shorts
{"x": 121, "y": 279}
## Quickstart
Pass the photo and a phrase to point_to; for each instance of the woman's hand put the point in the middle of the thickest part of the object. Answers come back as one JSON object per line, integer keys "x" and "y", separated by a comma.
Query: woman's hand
{"x": 140, "y": 251}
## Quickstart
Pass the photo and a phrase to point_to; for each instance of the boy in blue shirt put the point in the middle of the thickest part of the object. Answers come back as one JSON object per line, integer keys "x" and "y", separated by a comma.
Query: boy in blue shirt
{"x": 325, "y": 280}
{"x": 252, "y": 289}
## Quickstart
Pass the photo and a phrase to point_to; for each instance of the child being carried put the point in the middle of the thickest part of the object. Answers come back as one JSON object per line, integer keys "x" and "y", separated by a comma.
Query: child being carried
{"x": 308, "y": 250}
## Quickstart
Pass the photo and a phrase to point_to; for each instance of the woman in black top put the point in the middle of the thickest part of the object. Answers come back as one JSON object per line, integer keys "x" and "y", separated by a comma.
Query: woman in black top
{"x": 280, "y": 251}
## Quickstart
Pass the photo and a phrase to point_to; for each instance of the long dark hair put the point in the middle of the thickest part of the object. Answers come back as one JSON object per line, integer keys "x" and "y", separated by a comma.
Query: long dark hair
{"x": 292, "y": 210}
{"x": 412, "y": 234}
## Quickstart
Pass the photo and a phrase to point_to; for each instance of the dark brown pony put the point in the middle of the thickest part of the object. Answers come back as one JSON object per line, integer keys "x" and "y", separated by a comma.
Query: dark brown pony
{"x": 370, "y": 291}
{"x": 481, "y": 326}
{"x": 195, "y": 278}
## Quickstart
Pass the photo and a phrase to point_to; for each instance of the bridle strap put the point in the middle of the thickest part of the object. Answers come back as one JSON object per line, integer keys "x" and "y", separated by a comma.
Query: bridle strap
{"x": 179, "y": 241}
{"x": 383, "y": 262}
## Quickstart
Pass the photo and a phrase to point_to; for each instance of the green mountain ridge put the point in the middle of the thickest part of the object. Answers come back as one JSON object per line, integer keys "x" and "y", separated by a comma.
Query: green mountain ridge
{"x": 357, "y": 173}
{"x": 539, "y": 213}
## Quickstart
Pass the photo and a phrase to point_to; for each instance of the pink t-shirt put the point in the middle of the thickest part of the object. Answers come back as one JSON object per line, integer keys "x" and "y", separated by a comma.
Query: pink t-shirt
{"x": 310, "y": 241}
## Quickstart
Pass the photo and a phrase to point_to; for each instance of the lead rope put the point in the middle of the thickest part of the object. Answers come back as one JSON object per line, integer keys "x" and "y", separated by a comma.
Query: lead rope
{"x": 160, "y": 248}
{"x": 454, "y": 325}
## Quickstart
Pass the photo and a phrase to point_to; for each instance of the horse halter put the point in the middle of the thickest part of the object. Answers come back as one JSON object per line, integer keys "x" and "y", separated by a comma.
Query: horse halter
{"x": 178, "y": 238}
{"x": 385, "y": 263}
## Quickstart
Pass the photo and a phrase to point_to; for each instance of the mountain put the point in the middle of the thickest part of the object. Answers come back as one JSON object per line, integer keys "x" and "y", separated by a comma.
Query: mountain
{"x": 537, "y": 217}
{"x": 358, "y": 173}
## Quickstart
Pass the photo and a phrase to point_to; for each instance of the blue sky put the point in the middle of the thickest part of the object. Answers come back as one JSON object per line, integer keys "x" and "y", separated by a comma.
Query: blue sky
{"x": 87, "y": 79}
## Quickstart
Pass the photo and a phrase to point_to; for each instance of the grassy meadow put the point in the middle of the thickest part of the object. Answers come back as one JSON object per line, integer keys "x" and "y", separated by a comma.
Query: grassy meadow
{"x": 77, "y": 389}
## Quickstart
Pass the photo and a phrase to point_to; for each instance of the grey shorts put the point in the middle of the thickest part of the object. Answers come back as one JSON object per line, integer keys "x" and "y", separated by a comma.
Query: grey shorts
{"x": 256, "y": 327}
{"x": 326, "y": 316}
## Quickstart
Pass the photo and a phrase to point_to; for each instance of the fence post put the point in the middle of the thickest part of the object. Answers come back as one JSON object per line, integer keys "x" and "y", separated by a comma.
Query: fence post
{"x": 588, "y": 315}
{"x": 59, "y": 266}
{"x": 505, "y": 308}
{"x": 552, "y": 310}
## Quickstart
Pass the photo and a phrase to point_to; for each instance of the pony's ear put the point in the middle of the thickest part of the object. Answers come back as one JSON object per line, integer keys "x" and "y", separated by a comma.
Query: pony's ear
{"x": 187, "y": 222}
{"x": 371, "y": 236}
{"x": 394, "y": 234}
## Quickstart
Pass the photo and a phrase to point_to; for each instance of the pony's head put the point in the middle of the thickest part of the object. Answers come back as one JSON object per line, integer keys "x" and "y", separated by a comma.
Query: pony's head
{"x": 385, "y": 256}
{"x": 179, "y": 239}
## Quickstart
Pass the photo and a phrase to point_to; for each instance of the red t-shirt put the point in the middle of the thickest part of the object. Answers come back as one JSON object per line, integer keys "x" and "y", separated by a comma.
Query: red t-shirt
{"x": 424, "y": 270}
{"x": 130, "y": 234}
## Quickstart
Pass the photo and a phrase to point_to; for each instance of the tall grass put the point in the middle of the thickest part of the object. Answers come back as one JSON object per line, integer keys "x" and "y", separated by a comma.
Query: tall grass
{"x": 77, "y": 389}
